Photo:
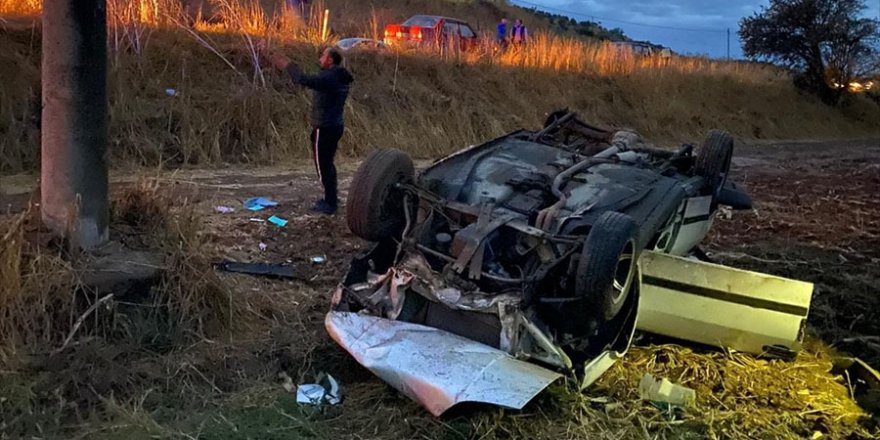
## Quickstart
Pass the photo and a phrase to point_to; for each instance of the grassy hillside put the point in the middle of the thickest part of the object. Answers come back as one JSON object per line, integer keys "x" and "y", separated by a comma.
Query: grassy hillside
{"x": 349, "y": 16}
{"x": 229, "y": 109}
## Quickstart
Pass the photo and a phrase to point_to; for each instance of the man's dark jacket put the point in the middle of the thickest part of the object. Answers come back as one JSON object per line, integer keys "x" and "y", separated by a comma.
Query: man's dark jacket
{"x": 330, "y": 88}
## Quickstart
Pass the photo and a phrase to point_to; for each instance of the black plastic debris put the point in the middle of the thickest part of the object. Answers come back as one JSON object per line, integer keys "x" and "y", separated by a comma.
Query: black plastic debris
{"x": 276, "y": 270}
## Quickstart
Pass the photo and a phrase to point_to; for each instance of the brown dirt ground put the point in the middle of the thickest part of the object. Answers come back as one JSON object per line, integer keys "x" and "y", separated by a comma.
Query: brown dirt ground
{"x": 816, "y": 218}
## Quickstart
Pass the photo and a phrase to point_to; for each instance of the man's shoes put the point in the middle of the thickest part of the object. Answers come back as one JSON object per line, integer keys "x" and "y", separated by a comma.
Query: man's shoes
{"x": 324, "y": 208}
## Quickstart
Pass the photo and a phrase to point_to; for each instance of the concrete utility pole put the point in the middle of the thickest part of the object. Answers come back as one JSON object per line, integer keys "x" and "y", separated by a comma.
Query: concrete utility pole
{"x": 728, "y": 44}
{"x": 73, "y": 180}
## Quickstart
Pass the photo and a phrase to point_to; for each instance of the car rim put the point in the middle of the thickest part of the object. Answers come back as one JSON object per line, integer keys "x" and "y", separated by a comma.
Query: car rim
{"x": 623, "y": 273}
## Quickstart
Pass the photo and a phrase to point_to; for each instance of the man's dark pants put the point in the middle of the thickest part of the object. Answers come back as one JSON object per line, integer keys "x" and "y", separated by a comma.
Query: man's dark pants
{"x": 324, "y": 143}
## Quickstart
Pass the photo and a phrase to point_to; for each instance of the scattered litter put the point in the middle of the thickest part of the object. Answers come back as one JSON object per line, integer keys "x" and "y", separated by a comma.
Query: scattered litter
{"x": 319, "y": 259}
{"x": 267, "y": 269}
{"x": 326, "y": 390}
{"x": 257, "y": 220}
{"x": 278, "y": 221}
{"x": 171, "y": 92}
{"x": 662, "y": 391}
{"x": 670, "y": 411}
{"x": 263, "y": 246}
{"x": 224, "y": 209}
{"x": 310, "y": 393}
{"x": 259, "y": 203}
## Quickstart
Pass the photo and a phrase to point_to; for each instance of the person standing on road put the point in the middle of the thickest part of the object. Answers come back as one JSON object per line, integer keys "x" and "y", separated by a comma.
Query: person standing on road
{"x": 519, "y": 34}
{"x": 330, "y": 89}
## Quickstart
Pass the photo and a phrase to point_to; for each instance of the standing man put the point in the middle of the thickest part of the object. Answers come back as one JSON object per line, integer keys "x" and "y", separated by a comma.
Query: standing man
{"x": 501, "y": 33}
{"x": 330, "y": 89}
{"x": 519, "y": 35}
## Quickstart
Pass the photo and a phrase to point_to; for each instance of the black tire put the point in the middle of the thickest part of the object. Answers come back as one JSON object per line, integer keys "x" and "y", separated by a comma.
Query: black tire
{"x": 713, "y": 159}
{"x": 608, "y": 260}
{"x": 374, "y": 209}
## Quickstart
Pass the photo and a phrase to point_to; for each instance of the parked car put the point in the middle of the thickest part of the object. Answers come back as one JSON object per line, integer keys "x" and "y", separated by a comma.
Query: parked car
{"x": 422, "y": 30}
{"x": 527, "y": 248}
{"x": 642, "y": 49}
{"x": 347, "y": 44}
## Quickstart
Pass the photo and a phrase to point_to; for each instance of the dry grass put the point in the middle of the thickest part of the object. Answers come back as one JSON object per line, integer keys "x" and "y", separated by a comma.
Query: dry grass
{"x": 36, "y": 290}
{"x": 41, "y": 294}
{"x": 63, "y": 360}
{"x": 229, "y": 109}
{"x": 193, "y": 293}
{"x": 739, "y": 396}
{"x": 143, "y": 208}
{"x": 20, "y": 7}
{"x": 190, "y": 298}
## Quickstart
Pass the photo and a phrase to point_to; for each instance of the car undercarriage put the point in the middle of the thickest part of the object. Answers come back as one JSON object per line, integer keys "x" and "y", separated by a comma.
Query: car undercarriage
{"x": 528, "y": 245}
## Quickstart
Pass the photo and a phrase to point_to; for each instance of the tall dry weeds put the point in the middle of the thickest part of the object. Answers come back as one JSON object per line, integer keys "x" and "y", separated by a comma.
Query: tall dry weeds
{"x": 223, "y": 107}
{"x": 275, "y": 19}
{"x": 21, "y": 7}
{"x": 190, "y": 298}
{"x": 67, "y": 355}
{"x": 131, "y": 22}
{"x": 191, "y": 292}
{"x": 36, "y": 291}
{"x": 44, "y": 305}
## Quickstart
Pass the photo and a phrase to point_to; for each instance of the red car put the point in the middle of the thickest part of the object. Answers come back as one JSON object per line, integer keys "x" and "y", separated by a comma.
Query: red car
{"x": 419, "y": 30}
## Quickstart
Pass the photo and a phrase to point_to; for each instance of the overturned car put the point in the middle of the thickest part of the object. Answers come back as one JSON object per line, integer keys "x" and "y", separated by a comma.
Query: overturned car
{"x": 504, "y": 264}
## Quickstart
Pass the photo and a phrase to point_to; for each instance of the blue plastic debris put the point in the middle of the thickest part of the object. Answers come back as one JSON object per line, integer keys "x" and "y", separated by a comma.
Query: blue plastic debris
{"x": 327, "y": 390}
{"x": 278, "y": 221}
{"x": 258, "y": 203}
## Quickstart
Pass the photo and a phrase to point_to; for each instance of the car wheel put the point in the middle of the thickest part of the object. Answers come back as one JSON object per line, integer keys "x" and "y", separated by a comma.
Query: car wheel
{"x": 713, "y": 159}
{"x": 375, "y": 206}
{"x": 607, "y": 266}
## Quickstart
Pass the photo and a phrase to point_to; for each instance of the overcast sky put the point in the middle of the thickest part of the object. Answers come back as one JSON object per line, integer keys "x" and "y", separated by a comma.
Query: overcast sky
{"x": 687, "y": 26}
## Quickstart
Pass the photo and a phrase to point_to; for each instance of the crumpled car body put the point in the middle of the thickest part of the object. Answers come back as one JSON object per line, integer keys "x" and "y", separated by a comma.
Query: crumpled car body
{"x": 502, "y": 265}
